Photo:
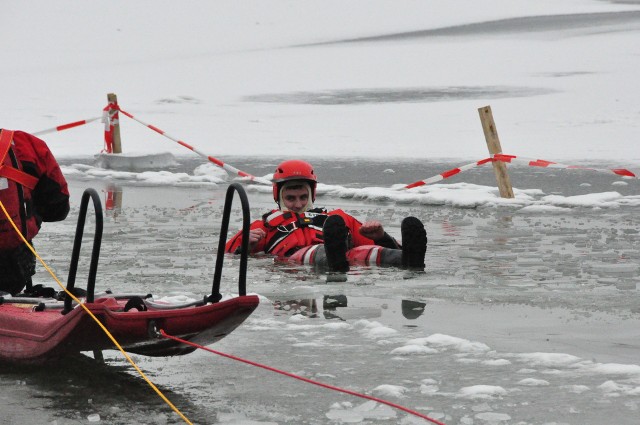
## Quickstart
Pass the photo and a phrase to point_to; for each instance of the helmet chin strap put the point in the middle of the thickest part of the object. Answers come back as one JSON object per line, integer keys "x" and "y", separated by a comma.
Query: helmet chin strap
{"x": 295, "y": 183}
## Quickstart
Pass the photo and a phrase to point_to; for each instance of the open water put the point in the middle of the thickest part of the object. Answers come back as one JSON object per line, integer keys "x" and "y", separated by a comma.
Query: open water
{"x": 523, "y": 317}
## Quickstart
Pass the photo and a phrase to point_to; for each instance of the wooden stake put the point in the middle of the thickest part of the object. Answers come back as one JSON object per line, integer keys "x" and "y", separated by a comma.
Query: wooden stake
{"x": 117, "y": 142}
{"x": 493, "y": 143}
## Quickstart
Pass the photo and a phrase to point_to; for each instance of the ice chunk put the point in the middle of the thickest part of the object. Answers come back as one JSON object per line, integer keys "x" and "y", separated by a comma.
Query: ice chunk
{"x": 481, "y": 391}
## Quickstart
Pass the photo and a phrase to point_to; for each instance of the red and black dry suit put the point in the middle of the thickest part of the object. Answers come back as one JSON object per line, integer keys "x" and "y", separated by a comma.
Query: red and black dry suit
{"x": 298, "y": 237}
{"x": 32, "y": 190}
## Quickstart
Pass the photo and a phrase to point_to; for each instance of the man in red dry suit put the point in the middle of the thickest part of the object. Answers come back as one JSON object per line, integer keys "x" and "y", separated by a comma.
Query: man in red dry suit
{"x": 328, "y": 240}
{"x": 32, "y": 190}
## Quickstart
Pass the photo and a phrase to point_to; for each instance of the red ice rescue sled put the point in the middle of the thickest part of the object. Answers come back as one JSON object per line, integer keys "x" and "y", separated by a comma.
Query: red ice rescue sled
{"x": 38, "y": 329}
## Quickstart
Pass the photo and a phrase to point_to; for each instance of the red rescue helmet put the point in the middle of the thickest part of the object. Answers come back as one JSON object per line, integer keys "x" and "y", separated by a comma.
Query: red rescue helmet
{"x": 294, "y": 169}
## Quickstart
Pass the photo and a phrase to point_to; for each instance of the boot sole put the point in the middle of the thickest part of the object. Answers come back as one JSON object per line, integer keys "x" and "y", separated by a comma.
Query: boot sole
{"x": 335, "y": 244}
{"x": 414, "y": 243}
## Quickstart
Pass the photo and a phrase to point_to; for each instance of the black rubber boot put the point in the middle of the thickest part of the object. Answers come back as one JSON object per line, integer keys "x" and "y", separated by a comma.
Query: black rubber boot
{"x": 414, "y": 244}
{"x": 335, "y": 244}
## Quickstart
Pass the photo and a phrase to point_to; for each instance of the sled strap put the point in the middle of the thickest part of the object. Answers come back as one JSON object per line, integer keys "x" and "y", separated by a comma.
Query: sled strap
{"x": 18, "y": 176}
{"x": 5, "y": 143}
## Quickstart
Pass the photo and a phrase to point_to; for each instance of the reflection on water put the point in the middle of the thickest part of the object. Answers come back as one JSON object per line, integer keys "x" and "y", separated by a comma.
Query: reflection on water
{"x": 337, "y": 307}
{"x": 77, "y": 389}
{"x": 113, "y": 200}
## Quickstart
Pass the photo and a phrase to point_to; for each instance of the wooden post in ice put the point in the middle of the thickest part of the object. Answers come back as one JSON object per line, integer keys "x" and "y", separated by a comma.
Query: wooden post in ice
{"x": 117, "y": 142}
{"x": 493, "y": 143}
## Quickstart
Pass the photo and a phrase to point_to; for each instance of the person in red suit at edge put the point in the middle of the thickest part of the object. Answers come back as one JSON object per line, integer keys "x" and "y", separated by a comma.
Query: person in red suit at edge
{"x": 330, "y": 241}
{"x": 32, "y": 190}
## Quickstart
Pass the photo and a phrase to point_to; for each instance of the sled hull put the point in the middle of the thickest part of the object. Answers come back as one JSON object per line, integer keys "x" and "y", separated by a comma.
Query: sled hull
{"x": 30, "y": 336}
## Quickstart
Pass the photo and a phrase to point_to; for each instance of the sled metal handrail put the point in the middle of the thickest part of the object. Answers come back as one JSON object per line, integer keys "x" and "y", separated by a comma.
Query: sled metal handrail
{"x": 244, "y": 252}
{"x": 77, "y": 243}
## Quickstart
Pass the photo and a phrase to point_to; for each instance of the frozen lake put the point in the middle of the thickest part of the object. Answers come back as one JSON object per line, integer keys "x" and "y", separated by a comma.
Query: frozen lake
{"x": 524, "y": 315}
{"x": 528, "y": 310}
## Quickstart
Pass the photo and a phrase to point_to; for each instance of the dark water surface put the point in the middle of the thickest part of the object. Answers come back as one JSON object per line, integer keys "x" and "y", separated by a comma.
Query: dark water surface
{"x": 518, "y": 283}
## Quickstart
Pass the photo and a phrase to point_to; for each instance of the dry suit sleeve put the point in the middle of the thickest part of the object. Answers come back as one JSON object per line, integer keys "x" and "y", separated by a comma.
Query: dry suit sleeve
{"x": 354, "y": 228}
{"x": 234, "y": 245}
{"x": 358, "y": 240}
{"x": 387, "y": 241}
{"x": 50, "y": 196}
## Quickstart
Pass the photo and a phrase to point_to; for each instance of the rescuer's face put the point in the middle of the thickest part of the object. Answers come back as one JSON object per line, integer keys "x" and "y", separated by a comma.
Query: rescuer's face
{"x": 295, "y": 199}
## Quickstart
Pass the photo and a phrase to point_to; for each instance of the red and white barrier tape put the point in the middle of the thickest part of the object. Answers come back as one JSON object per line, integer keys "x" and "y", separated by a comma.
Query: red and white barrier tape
{"x": 448, "y": 173}
{"x": 216, "y": 161}
{"x": 110, "y": 118}
{"x": 65, "y": 126}
{"x": 514, "y": 159}
{"x": 549, "y": 164}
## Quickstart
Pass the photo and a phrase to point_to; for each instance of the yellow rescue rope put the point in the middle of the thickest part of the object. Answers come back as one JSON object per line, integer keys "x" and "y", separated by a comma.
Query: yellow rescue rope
{"x": 106, "y": 331}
